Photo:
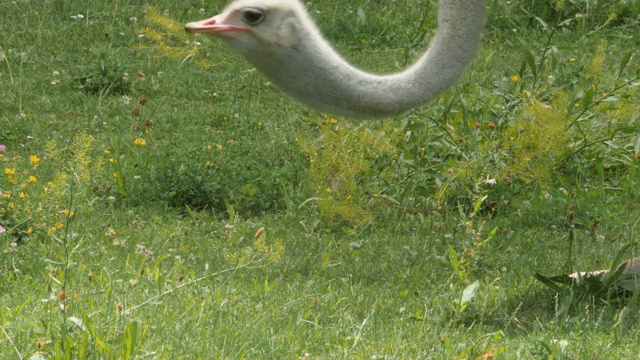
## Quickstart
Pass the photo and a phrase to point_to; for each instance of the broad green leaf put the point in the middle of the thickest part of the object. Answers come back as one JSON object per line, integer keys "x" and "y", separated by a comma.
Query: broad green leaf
{"x": 531, "y": 61}
{"x": 362, "y": 18}
{"x": 548, "y": 281}
{"x": 543, "y": 23}
{"x": 77, "y": 322}
{"x": 89, "y": 324}
{"x": 623, "y": 62}
{"x": 587, "y": 98}
{"x": 453, "y": 257}
{"x": 479, "y": 202}
{"x": 130, "y": 340}
{"x": 469, "y": 293}
{"x": 630, "y": 284}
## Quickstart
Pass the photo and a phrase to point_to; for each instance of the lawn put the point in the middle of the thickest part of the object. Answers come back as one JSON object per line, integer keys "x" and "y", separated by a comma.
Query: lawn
{"x": 161, "y": 199}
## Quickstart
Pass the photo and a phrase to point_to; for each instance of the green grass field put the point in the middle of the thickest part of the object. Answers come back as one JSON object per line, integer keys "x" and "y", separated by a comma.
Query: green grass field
{"x": 160, "y": 199}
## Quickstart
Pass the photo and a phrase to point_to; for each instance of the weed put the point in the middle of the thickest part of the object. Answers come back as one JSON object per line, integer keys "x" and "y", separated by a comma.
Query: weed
{"x": 339, "y": 159}
{"x": 169, "y": 38}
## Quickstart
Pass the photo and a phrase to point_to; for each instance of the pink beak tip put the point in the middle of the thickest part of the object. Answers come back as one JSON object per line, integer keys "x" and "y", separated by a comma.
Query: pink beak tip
{"x": 214, "y": 26}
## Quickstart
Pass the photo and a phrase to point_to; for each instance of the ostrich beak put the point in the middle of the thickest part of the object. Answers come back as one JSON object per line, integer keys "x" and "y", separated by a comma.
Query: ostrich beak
{"x": 213, "y": 26}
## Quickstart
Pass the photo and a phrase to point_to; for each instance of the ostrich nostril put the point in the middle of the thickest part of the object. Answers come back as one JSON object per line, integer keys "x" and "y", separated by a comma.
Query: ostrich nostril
{"x": 199, "y": 25}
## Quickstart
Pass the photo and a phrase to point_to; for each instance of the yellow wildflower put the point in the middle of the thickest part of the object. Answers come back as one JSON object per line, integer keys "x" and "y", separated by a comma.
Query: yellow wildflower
{"x": 140, "y": 142}
{"x": 515, "y": 78}
{"x": 107, "y": 152}
{"x": 9, "y": 171}
{"x": 32, "y": 179}
{"x": 34, "y": 160}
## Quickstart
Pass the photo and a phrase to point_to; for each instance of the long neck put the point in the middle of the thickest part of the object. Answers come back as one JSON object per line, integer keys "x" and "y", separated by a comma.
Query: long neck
{"x": 311, "y": 71}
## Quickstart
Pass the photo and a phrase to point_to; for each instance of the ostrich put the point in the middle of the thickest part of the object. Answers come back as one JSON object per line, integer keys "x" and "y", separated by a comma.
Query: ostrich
{"x": 279, "y": 38}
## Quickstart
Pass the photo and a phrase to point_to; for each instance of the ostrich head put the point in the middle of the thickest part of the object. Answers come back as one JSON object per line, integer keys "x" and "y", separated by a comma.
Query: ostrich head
{"x": 255, "y": 26}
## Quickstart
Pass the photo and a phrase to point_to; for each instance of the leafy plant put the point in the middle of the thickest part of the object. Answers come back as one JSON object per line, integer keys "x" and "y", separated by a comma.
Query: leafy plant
{"x": 105, "y": 75}
{"x": 340, "y": 157}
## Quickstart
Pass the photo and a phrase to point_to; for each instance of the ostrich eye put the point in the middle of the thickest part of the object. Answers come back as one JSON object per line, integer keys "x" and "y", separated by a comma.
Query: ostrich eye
{"x": 253, "y": 16}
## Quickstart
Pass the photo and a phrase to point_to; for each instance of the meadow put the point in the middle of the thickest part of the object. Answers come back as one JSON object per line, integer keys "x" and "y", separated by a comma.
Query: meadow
{"x": 161, "y": 199}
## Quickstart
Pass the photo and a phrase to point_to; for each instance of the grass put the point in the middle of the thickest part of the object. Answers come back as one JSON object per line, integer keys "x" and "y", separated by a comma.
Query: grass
{"x": 161, "y": 199}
